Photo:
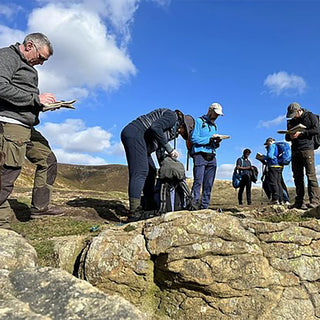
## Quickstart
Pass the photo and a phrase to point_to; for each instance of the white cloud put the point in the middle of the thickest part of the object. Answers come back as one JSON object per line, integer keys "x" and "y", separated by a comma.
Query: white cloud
{"x": 271, "y": 123}
{"x": 116, "y": 150}
{"x": 86, "y": 53}
{"x": 77, "y": 158}
{"x": 225, "y": 171}
{"x": 73, "y": 136}
{"x": 9, "y": 10}
{"x": 282, "y": 82}
{"x": 9, "y": 36}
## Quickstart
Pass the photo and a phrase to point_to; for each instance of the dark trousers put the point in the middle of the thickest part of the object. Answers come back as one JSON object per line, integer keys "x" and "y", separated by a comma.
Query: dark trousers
{"x": 304, "y": 160}
{"x": 204, "y": 173}
{"x": 245, "y": 183}
{"x": 142, "y": 170}
{"x": 275, "y": 176}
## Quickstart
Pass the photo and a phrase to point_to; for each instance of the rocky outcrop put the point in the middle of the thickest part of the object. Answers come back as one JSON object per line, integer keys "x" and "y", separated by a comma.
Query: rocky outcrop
{"x": 209, "y": 265}
{"x": 28, "y": 292}
{"x": 15, "y": 252}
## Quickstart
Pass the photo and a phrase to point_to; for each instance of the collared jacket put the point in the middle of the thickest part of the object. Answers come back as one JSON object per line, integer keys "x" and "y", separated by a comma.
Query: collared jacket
{"x": 201, "y": 136}
{"x": 271, "y": 158}
{"x": 160, "y": 127}
{"x": 305, "y": 140}
{"x": 19, "y": 93}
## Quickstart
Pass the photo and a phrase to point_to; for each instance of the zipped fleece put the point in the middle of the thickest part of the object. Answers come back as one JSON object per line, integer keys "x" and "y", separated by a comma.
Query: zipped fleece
{"x": 19, "y": 93}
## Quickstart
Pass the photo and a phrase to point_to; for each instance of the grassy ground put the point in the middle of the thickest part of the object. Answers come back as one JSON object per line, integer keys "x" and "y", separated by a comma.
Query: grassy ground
{"x": 90, "y": 212}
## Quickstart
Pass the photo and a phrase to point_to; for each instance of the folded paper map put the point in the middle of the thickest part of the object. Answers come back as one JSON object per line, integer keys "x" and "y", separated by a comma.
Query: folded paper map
{"x": 297, "y": 128}
{"x": 57, "y": 105}
{"x": 221, "y": 136}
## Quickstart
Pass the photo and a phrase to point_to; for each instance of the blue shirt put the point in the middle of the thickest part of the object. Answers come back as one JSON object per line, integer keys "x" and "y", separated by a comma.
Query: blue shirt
{"x": 271, "y": 156}
{"x": 201, "y": 134}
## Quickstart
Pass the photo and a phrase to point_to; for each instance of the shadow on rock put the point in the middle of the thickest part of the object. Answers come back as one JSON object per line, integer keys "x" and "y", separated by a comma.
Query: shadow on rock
{"x": 113, "y": 210}
{"x": 312, "y": 213}
{"x": 21, "y": 210}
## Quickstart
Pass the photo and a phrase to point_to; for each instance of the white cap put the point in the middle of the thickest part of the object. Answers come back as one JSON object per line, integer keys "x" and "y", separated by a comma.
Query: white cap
{"x": 216, "y": 107}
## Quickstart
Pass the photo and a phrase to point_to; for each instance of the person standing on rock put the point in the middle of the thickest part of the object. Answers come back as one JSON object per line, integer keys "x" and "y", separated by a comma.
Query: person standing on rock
{"x": 204, "y": 145}
{"x": 302, "y": 146}
{"x": 20, "y": 104}
{"x": 274, "y": 170}
{"x": 243, "y": 165}
{"x": 141, "y": 137}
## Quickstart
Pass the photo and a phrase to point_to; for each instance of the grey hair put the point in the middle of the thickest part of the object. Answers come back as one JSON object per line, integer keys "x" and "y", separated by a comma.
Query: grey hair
{"x": 40, "y": 40}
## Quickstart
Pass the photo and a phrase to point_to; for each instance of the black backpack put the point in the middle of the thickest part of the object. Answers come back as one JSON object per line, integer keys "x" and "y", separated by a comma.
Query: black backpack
{"x": 172, "y": 192}
{"x": 174, "y": 195}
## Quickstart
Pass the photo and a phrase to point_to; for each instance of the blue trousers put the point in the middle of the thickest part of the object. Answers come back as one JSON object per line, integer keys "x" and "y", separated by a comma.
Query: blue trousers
{"x": 204, "y": 173}
{"x": 142, "y": 170}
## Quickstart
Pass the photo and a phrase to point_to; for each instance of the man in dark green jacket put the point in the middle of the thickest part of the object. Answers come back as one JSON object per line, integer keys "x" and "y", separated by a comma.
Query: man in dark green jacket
{"x": 20, "y": 104}
{"x": 302, "y": 146}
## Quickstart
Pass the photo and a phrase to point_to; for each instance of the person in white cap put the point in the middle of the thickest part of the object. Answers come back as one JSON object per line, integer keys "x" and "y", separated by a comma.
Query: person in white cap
{"x": 204, "y": 145}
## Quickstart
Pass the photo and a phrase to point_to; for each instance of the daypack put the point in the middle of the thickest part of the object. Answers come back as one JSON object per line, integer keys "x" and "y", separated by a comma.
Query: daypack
{"x": 174, "y": 195}
{"x": 236, "y": 179}
{"x": 284, "y": 153}
{"x": 172, "y": 192}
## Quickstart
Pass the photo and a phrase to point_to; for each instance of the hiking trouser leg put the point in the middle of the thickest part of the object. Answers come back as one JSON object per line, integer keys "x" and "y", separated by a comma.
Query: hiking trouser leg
{"x": 247, "y": 183}
{"x": 208, "y": 179}
{"x": 148, "y": 189}
{"x": 8, "y": 177}
{"x": 285, "y": 190}
{"x": 137, "y": 158}
{"x": 241, "y": 189}
{"x": 275, "y": 183}
{"x": 198, "y": 174}
{"x": 313, "y": 187}
{"x": 298, "y": 175}
{"x": 13, "y": 142}
{"x": 39, "y": 153}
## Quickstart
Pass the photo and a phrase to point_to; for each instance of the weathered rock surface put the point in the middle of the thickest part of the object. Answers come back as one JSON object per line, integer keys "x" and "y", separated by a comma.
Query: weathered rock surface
{"x": 205, "y": 265}
{"x": 28, "y": 292}
{"x": 15, "y": 252}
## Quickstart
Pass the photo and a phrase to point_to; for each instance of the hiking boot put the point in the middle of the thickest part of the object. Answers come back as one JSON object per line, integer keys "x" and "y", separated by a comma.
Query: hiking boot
{"x": 136, "y": 215}
{"x": 274, "y": 202}
{"x": 312, "y": 205}
{"x": 298, "y": 206}
{"x": 48, "y": 212}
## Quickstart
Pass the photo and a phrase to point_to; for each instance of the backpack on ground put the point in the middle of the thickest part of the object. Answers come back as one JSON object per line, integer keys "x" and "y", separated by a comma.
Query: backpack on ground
{"x": 172, "y": 192}
{"x": 284, "y": 153}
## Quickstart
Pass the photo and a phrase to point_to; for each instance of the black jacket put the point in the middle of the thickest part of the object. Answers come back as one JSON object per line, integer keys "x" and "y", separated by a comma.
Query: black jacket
{"x": 305, "y": 140}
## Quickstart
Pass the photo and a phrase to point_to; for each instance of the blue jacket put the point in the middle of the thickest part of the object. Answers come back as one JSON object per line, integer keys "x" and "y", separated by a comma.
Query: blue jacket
{"x": 271, "y": 156}
{"x": 201, "y": 134}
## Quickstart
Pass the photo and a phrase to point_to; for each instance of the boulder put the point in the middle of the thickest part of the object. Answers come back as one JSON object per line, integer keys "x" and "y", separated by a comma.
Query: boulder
{"x": 210, "y": 265}
{"x": 54, "y": 294}
{"x": 15, "y": 251}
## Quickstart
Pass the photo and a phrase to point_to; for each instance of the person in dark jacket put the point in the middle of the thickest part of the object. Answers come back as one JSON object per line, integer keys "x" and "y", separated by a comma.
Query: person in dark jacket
{"x": 149, "y": 133}
{"x": 302, "y": 147}
{"x": 274, "y": 170}
{"x": 243, "y": 165}
{"x": 20, "y": 104}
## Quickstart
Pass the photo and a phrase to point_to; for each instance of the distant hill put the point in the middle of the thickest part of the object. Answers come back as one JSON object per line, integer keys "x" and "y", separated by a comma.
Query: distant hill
{"x": 113, "y": 177}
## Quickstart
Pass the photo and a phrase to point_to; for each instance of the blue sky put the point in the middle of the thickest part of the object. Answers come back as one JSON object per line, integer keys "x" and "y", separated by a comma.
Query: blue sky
{"x": 124, "y": 58}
